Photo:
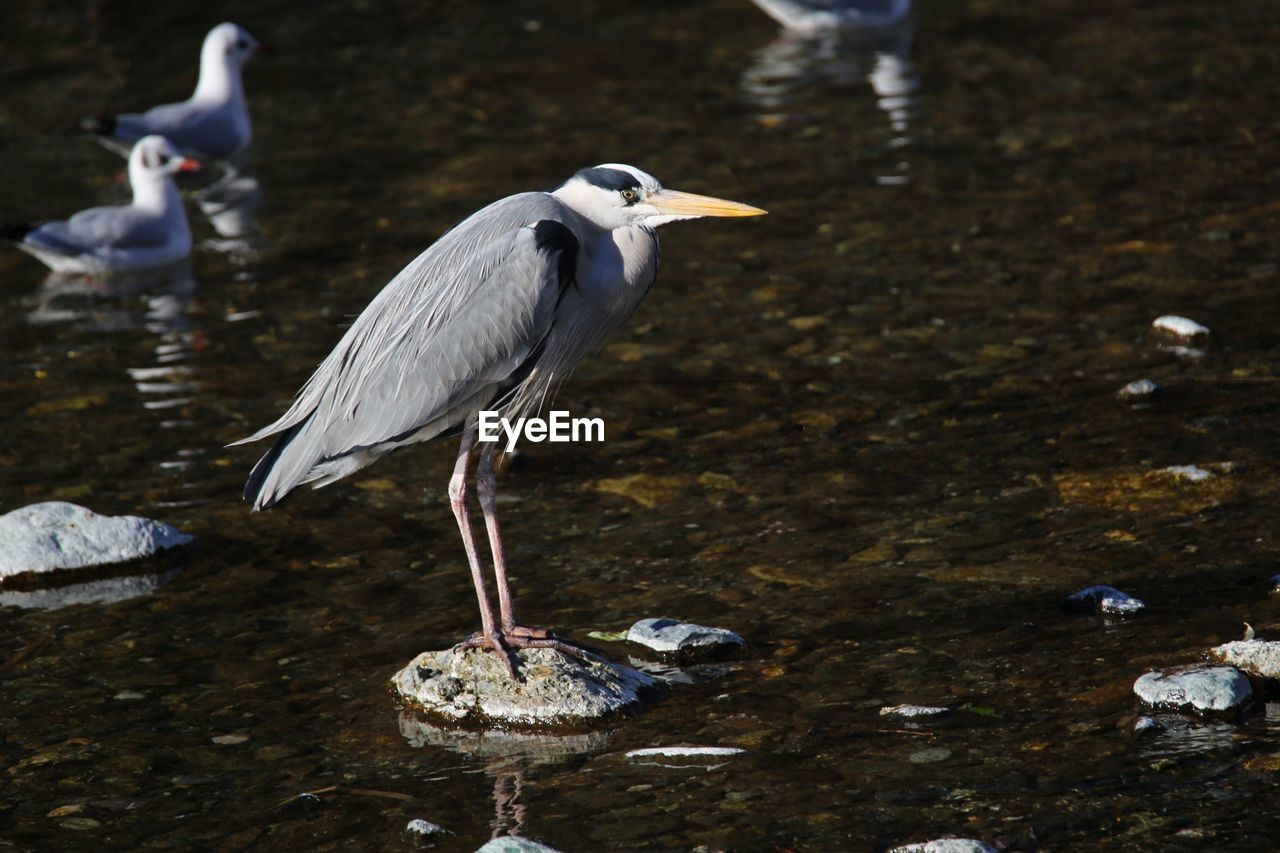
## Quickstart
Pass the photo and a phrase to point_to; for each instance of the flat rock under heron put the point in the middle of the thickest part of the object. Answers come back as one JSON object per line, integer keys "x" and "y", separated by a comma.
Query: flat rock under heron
{"x": 472, "y": 687}
{"x": 946, "y": 845}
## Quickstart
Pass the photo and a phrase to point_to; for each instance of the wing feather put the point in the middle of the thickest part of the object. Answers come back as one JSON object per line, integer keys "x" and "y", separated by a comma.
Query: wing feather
{"x": 438, "y": 342}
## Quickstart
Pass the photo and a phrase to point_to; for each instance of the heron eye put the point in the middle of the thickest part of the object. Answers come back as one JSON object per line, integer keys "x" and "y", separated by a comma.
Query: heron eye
{"x": 628, "y": 195}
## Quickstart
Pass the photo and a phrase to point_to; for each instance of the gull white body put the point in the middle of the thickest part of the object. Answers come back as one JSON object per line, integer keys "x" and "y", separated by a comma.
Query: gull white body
{"x": 214, "y": 121}
{"x": 150, "y": 231}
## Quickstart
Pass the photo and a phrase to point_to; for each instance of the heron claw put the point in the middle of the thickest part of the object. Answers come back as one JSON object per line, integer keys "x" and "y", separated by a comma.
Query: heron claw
{"x": 510, "y": 640}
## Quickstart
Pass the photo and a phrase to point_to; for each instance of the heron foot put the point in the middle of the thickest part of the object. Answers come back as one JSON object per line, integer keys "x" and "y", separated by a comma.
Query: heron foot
{"x": 511, "y": 639}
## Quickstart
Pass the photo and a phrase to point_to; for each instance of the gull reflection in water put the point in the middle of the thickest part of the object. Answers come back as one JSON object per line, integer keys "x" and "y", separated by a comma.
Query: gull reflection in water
{"x": 843, "y": 42}
{"x": 509, "y": 757}
{"x": 161, "y": 302}
{"x": 230, "y": 204}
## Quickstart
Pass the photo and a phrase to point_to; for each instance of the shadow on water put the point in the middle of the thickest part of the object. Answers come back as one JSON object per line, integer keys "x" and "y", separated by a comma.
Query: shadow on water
{"x": 875, "y": 432}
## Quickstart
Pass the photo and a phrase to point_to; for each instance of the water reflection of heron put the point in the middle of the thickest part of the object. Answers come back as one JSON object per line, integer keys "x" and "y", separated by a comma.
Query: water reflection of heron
{"x": 509, "y": 757}
{"x": 844, "y": 42}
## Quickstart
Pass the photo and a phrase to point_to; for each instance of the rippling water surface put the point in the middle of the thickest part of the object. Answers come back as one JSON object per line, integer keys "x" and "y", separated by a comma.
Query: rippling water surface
{"x": 875, "y": 432}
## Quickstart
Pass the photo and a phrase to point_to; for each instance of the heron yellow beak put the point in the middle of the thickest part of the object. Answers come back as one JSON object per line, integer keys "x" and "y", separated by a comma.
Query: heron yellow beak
{"x": 687, "y": 204}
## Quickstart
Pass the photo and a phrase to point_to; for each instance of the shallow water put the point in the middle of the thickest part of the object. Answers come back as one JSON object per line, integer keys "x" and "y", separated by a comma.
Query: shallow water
{"x": 875, "y": 432}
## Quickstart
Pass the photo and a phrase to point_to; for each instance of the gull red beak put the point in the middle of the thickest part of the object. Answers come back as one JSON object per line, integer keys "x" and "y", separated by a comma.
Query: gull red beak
{"x": 186, "y": 164}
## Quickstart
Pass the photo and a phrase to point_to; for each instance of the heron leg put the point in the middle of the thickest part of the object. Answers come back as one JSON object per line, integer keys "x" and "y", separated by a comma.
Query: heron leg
{"x": 459, "y": 499}
{"x": 517, "y": 636}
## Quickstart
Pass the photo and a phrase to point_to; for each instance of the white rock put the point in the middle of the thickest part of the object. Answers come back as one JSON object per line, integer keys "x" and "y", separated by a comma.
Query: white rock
{"x": 672, "y": 635}
{"x": 59, "y": 535}
{"x": 1260, "y": 657}
{"x": 474, "y": 686}
{"x": 685, "y": 751}
{"x": 421, "y": 827}
{"x": 1139, "y": 389}
{"x": 946, "y": 845}
{"x": 1202, "y": 689}
{"x": 911, "y": 711}
{"x": 514, "y": 844}
{"x": 1179, "y": 327}
{"x": 1190, "y": 473}
{"x": 1147, "y": 725}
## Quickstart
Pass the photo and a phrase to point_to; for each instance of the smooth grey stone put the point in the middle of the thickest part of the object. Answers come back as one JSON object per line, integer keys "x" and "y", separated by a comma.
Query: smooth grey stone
{"x": 672, "y": 635}
{"x": 1197, "y": 688}
{"x": 473, "y": 686}
{"x": 44, "y": 537}
{"x": 1140, "y": 390}
{"x": 946, "y": 845}
{"x": 1260, "y": 657}
{"x": 1105, "y": 599}
{"x": 515, "y": 844}
{"x": 1147, "y": 725}
{"x": 913, "y": 711}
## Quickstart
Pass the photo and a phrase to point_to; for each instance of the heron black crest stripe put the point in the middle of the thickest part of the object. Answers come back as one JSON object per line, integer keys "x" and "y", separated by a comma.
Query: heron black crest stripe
{"x": 609, "y": 179}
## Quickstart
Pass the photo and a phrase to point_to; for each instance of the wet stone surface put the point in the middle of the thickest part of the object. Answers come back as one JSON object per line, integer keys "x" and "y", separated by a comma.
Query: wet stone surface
{"x": 946, "y": 845}
{"x": 59, "y": 535}
{"x": 1104, "y": 599}
{"x": 1196, "y": 689}
{"x": 671, "y": 636}
{"x": 1260, "y": 657}
{"x": 473, "y": 687}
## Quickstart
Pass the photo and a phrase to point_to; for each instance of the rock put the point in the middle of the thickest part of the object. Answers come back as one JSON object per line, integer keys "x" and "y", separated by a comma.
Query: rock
{"x": 58, "y": 535}
{"x": 685, "y": 751}
{"x": 946, "y": 845}
{"x": 1147, "y": 726}
{"x": 1104, "y": 599}
{"x": 514, "y": 844}
{"x": 1187, "y": 473}
{"x": 913, "y": 711}
{"x": 683, "y": 638}
{"x": 1259, "y": 657}
{"x": 1179, "y": 328}
{"x": 1140, "y": 391}
{"x": 420, "y": 832}
{"x": 473, "y": 686}
{"x": 1196, "y": 688}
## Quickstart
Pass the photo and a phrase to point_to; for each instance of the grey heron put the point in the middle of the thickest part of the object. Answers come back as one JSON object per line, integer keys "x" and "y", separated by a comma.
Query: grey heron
{"x": 494, "y": 316}
{"x": 214, "y": 121}
{"x": 150, "y": 231}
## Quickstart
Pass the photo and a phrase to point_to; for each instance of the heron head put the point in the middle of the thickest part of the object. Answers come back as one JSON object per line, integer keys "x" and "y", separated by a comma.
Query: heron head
{"x": 614, "y": 195}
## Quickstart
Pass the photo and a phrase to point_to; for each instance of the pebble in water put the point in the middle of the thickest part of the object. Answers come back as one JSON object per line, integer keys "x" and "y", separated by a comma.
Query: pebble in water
{"x": 1104, "y": 599}
{"x": 419, "y": 831}
{"x": 1275, "y": 584}
{"x": 685, "y": 638}
{"x": 1179, "y": 328}
{"x": 946, "y": 845}
{"x": 1140, "y": 391}
{"x": 1146, "y": 725}
{"x": 1196, "y": 689}
{"x": 913, "y": 711}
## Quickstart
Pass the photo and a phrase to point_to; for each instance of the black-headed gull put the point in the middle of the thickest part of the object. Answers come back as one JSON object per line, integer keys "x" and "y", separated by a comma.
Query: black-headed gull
{"x": 151, "y": 231}
{"x": 213, "y": 122}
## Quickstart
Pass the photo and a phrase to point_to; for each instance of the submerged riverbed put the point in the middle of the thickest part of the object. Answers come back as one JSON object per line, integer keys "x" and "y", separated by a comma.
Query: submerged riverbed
{"x": 875, "y": 432}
